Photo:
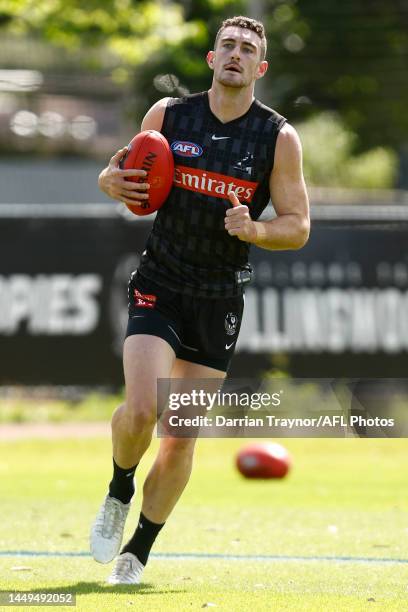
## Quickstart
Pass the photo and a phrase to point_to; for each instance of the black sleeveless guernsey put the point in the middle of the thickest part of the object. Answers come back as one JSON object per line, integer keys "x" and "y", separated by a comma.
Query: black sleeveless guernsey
{"x": 189, "y": 249}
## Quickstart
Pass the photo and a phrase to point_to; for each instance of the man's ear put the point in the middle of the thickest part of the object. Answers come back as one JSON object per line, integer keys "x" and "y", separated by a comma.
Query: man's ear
{"x": 262, "y": 68}
{"x": 210, "y": 59}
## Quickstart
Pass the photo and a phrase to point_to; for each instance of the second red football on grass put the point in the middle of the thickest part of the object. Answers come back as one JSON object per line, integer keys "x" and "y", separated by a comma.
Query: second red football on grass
{"x": 263, "y": 460}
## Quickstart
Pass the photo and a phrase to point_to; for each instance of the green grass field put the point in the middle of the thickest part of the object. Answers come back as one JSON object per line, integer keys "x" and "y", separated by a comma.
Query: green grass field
{"x": 343, "y": 498}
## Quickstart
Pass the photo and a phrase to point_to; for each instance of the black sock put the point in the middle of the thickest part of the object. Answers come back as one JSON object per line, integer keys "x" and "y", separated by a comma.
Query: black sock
{"x": 143, "y": 539}
{"x": 122, "y": 486}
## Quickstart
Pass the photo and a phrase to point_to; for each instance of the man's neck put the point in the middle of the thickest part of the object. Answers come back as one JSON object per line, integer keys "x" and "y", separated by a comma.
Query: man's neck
{"x": 228, "y": 103}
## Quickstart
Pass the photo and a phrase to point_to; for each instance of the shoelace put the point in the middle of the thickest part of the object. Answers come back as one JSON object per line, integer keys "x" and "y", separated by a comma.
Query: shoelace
{"x": 124, "y": 569}
{"x": 110, "y": 517}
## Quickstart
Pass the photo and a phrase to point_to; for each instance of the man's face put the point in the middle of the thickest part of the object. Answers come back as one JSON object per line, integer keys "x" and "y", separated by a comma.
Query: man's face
{"x": 236, "y": 61}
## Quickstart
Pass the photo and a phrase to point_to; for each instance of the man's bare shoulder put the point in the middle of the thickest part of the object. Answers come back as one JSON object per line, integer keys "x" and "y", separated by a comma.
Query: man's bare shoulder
{"x": 288, "y": 145}
{"x": 288, "y": 135}
{"x": 161, "y": 104}
{"x": 153, "y": 120}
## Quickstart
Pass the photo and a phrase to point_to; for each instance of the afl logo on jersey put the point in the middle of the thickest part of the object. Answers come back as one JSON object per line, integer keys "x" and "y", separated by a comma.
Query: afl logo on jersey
{"x": 186, "y": 149}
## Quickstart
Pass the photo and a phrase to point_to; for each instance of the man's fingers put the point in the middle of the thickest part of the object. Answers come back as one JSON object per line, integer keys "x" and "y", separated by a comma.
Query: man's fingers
{"x": 130, "y": 201}
{"x": 133, "y": 186}
{"x": 133, "y": 172}
{"x": 234, "y": 227}
{"x": 233, "y": 199}
{"x": 237, "y": 211}
{"x": 130, "y": 196}
{"x": 133, "y": 195}
{"x": 115, "y": 159}
{"x": 234, "y": 232}
{"x": 114, "y": 162}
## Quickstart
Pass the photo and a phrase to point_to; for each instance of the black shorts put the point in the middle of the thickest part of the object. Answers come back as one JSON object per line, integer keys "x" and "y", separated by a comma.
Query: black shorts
{"x": 201, "y": 330}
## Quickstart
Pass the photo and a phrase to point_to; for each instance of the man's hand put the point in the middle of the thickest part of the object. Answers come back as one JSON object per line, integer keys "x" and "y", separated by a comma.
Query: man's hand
{"x": 238, "y": 221}
{"x": 112, "y": 182}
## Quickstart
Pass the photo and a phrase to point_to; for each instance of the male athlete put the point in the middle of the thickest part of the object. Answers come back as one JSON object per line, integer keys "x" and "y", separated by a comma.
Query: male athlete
{"x": 186, "y": 298}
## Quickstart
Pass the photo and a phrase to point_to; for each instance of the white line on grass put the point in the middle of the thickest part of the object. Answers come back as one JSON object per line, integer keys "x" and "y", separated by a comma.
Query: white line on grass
{"x": 221, "y": 556}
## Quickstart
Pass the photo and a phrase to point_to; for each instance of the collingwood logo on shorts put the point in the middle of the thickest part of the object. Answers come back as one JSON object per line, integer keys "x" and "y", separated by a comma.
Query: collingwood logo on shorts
{"x": 231, "y": 322}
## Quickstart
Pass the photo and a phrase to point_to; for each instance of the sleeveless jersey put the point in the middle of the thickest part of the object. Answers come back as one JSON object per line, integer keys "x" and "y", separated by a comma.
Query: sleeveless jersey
{"x": 189, "y": 249}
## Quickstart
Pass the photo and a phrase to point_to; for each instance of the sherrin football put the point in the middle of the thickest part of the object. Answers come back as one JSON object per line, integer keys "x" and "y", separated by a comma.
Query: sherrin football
{"x": 263, "y": 460}
{"x": 151, "y": 152}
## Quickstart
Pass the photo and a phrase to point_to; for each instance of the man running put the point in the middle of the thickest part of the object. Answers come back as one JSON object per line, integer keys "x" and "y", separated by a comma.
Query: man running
{"x": 186, "y": 298}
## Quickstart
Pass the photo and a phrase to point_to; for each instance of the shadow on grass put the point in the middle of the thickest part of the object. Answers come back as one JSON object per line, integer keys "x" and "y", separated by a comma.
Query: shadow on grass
{"x": 86, "y": 588}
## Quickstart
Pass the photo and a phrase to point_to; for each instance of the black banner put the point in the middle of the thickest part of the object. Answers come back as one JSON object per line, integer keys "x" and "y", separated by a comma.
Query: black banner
{"x": 336, "y": 308}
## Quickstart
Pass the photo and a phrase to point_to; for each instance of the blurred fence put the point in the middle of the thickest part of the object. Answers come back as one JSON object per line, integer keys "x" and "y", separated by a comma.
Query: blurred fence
{"x": 336, "y": 308}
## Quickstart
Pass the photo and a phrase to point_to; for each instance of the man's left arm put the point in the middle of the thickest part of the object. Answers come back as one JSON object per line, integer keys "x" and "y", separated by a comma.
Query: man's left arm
{"x": 290, "y": 229}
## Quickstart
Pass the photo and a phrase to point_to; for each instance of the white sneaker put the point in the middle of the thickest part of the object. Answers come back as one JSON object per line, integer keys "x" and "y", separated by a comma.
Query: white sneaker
{"x": 128, "y": 570}
{"x": 107, "y": 531}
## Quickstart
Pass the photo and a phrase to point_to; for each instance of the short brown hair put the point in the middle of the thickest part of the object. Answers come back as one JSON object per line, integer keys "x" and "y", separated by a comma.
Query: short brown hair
{"x": 248, "y": 24}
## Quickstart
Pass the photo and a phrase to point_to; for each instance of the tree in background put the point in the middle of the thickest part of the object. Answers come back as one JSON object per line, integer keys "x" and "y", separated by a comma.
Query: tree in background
{"x": 349, "y": 57}
{"x": 138, "y": 33}
{"x": 149, "y": 48}
{"x": 330, "y": 159}
{"x": 179, "y": 66}
{"x": 92, "y": 51}
{"x": 131, "y": 29}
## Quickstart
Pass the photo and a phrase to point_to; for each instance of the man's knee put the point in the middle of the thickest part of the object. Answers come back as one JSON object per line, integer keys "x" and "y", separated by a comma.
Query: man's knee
{"x": 177, "y": 448}
{"x": 139, "y": 416}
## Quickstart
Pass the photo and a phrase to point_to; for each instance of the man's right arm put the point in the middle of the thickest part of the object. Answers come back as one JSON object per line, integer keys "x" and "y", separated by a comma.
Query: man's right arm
{"x": 112, "y": 180}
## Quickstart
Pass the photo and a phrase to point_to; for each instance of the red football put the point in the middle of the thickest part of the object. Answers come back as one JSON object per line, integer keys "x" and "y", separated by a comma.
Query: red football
{"x": 150, "y": 151}
{"x": 263, "y": 460}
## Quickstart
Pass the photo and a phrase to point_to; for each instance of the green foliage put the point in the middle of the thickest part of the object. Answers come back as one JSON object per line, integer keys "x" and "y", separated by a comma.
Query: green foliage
{"x": 348, "y": 56}
{"x": 132, "y": 29}
{"x": 329, "y": 159}
{"x": 374, "y": 169}
{"x": 148, "y": 38}
{"x": 325, "y": 54}
{"x": 184, "y": 60}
